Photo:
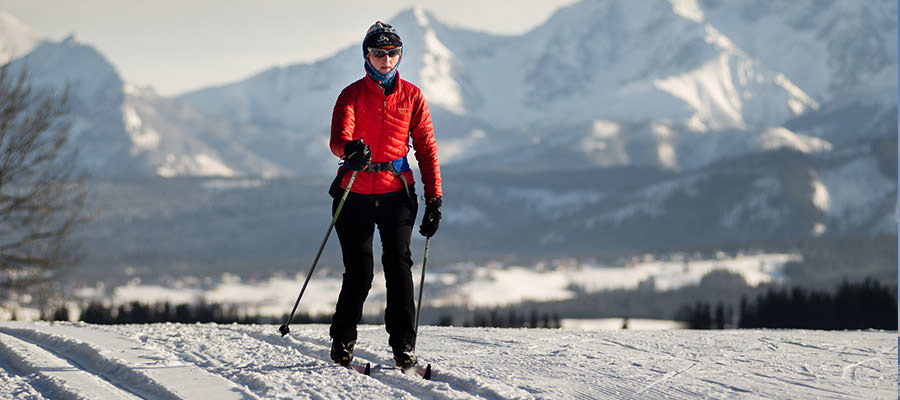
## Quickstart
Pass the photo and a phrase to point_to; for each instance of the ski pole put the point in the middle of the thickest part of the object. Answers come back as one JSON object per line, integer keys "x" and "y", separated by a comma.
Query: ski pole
{"x": 422, "y": 285}
{"x": 284, "y": 328}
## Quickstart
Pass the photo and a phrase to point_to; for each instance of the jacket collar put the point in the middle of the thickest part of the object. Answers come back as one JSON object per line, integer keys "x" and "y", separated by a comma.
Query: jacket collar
{"x": 371, "y": 84}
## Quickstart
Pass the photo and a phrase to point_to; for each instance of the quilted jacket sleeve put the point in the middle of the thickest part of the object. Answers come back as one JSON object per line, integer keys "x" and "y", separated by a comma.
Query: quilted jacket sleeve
{"x": 343, "y": 121}
{"x": 425, "y": 146}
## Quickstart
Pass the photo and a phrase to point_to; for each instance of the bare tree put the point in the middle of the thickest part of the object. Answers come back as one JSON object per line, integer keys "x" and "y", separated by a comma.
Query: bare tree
{"x": 42, "y": 196}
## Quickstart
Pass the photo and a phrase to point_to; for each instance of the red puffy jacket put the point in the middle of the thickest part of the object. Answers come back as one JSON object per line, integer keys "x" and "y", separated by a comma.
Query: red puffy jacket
{"x": 386, "y": 123}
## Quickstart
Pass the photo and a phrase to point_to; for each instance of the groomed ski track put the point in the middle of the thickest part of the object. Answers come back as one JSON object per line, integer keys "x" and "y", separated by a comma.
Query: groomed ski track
{"x": 41, "y": 360}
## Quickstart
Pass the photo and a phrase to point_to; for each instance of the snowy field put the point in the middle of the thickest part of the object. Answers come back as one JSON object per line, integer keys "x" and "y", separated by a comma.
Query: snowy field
{"x": 40, "y": 360}
{"x": 463, "y": 284}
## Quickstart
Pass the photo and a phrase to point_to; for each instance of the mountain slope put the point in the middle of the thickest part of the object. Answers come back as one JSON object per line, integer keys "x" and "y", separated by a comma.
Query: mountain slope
{"x": 125, "y": 131}
{"x": 682, "y": 77}
{"x": 693, "y": 79}
{"x": 16, "y": 38}
{"x": 837, "y": 48}
{"x": 765, "y": 196}
{"x": 172, "y": 138}
{"x": 587, "y": 62}
{"x": 843, "y": 54}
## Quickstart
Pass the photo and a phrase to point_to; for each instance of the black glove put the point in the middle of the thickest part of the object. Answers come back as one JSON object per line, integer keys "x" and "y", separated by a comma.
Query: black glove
{"x": 357, "y": 155}
{"x": 432, "y": 217}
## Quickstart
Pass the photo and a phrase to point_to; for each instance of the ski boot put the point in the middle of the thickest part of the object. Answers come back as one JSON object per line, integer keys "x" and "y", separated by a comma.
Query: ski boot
{"x": 342, "y": 352}
{"x": 405, "y": 356}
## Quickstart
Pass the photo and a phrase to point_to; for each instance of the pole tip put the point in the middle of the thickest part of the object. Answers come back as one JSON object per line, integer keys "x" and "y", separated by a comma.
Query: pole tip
{"x": 284, "y": 330}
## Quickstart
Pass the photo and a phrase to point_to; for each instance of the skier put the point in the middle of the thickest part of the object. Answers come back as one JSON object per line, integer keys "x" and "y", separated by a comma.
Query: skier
{"x": 374, "y": 121}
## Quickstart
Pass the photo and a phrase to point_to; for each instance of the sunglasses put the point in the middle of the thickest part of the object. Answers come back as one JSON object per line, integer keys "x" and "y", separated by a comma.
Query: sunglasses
{"x": 378, "y": 53}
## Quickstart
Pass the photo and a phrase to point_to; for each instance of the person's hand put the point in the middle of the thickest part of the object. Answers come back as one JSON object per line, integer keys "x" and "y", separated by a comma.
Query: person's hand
{"x": 357, "y": 155}
{"x": 432, "y": 217}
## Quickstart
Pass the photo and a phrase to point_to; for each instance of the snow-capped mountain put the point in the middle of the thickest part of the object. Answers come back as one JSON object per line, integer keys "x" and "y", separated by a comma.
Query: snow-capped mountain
{"x": 126, "y": 131}
{"x": 16, "y": 38}
{"x": 674, "y": 84}
{"x": 687, "y": 76}
{"x": 95, "y": 100}
{"x": 172, "y": 138}
{"x": 588, "y": 62}
{"x": 828, "y": 49}
{"x": 614, "y": 125}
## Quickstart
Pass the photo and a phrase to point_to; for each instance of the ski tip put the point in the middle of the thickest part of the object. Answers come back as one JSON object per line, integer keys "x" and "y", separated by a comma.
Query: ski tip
{"x": 368, "y": 370}
{"x": 427, "y": 374}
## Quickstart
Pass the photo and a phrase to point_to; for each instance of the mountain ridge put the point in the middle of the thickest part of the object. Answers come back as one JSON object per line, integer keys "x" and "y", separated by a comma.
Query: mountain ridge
{"x": 669, "y": 129}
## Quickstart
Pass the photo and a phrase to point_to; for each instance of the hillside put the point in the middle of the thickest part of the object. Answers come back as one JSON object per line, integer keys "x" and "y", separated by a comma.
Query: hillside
{"x": 175, "y": 361}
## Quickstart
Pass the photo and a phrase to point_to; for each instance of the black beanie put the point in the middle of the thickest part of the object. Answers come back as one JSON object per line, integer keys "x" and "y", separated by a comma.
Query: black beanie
{"x": 381, "y": 34}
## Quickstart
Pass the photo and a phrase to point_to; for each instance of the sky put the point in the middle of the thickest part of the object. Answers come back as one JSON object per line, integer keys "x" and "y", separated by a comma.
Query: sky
{"x": 176, "y": 45}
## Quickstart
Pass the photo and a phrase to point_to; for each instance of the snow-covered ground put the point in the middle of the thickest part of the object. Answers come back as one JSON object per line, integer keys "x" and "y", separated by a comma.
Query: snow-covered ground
{"x": 193, "y": 361}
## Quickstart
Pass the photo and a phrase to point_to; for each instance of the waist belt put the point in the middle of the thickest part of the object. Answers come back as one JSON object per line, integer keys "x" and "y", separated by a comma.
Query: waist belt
{"x": 398, "y": 165}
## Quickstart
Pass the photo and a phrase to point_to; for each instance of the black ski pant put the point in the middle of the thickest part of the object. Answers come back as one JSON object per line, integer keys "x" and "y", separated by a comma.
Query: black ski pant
{"x": 394, "y": 215}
